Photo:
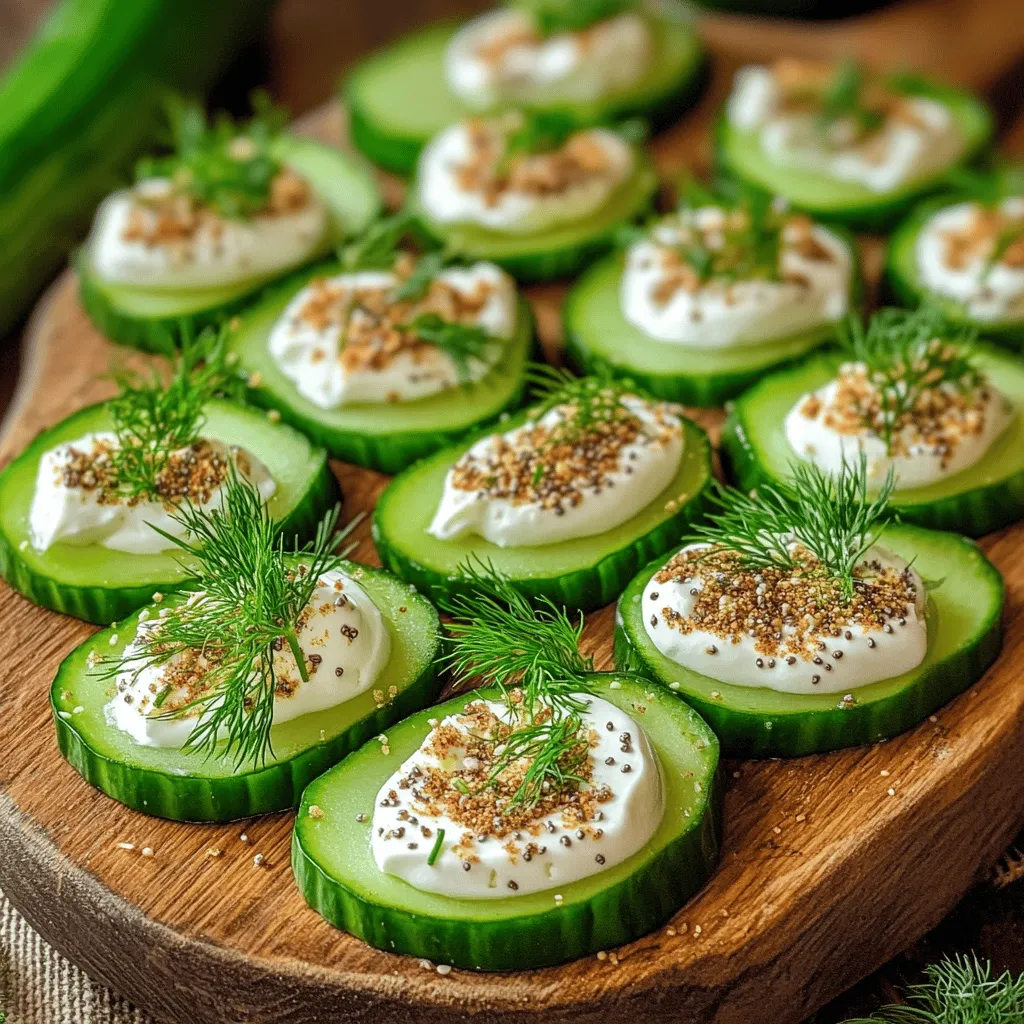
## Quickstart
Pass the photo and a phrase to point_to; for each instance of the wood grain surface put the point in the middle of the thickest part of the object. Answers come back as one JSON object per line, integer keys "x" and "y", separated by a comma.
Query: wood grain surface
{"x": 829, "y": 866}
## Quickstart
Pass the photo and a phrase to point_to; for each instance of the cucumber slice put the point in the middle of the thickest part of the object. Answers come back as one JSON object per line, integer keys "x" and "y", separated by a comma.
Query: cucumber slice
{"x": 168, "y": 783}
{"x": 385, "y": 437}
{"x": 398, "y": 99}
{"x": 559, "y": 251}
{"x": 738, "y": 153}
{"x": 99, "y": 585}
{"x": 154, "y": 319}
{"x": 600, "y": 339}
{"x": 985, "y": 497}
{"x": 904, "y": 282}
{"x": 584, "y": 573}
{"x": 339, "y": 878}
{"x": 964, "y": 637}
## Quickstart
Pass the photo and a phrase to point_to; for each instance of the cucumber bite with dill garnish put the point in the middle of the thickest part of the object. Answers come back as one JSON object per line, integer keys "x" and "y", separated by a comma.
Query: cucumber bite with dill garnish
{"x": 591, "y": 61}
{"x": 384, "y": 357}
{"x": 530, "y": 192}
{"x": 843, "y": 143}
{"x": 552, "y": 814}
{"x": 234, "y": 207}
{"x": 915, "y": 395}
{"x": 702, "y": 302}
{"x": 226, "y": 700}
{"x": 87, "y": 511}
{"x": 798, "y": 620}
{"x": 566, "y": 500}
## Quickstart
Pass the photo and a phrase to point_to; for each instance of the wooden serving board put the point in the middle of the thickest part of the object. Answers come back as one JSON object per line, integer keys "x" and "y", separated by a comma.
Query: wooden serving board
{"x": 831, "y": 864}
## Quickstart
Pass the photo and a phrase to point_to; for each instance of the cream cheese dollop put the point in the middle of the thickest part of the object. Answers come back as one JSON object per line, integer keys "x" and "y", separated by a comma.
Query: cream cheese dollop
{"x": 500, "y": 57}
{"x": 71, "y": 506}
{"x": 532, "y": 499}
{"x": 337, "y": 353}
{"x": 953, "y": 254}
{"x": 808, "y": 657}
{"x": 622, "y": 808}
{"x": 342, "y": 636}
{"x": 449, "y": 191}
{"x": 663, "y": 299}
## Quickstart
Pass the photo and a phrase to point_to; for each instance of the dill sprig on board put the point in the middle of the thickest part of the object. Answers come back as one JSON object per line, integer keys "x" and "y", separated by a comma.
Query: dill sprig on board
{"x": 551, "y": 16}
{"x": 907, "y": 353}
{"x": 831, "y": 515}
{"x": 961, "y": 990}
{"x": 250, "y": 603}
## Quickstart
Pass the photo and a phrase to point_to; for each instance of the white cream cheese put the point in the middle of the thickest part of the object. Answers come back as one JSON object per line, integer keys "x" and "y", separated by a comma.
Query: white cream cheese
{"x": 500, "y": 58}
{"x": 343, "y": 638}
{"x": 69, "y": 507}
{"x": 990, "y": 293}
{"x": 215, "y": 252}
{"x": 550, "y": 851}
{"x": 856, "y": 657}
{"x": 516, "y": 512}
{"x": 813, "y": 289}
{"x": 920, "y": 142}
{"x": 310, "y": 349}
{"x": 446, "y": 199}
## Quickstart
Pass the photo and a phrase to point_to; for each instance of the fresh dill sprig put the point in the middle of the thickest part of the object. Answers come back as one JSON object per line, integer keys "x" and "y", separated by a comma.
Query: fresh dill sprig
{"x": 462, "y": 343}
{"x": 592, "y": 399}
{"x": 377, "y": 247}
{"x": 551, "y": 16}
{"x": 844, "y": 99}
{"x": 831, "y": 515}
{"x": 961, "y": 990}
{"x": 251, "y": 601}
{"x": 527, "y": 132}
{"x": 907, "y": 353}
{"x": 226, "y": 166}
{"x": 154, "y": 415}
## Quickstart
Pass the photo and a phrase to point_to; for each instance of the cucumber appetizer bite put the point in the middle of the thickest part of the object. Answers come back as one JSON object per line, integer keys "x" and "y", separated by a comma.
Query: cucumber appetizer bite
{"x": 844, "y": 144}
{"x": 966, "y": 253}
{"x": 704, "y": 301}
{"x": 566, "y": 500}
{"x": 529, "y": 192}
{"x": 87, "y": 511}
{"x": 553, "y": 814}
{"x": 915, "y": 396}
{"x": 798, "y": 621}
{"x": 384, "y": 358}
{"x": 234, "y": 207}
{"x": 590, "y": 62}
{"x": 225, "y": 701}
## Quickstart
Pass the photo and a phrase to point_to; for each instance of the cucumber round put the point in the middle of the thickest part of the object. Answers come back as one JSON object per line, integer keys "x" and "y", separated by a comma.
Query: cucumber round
{"x": 599, "y": 339}
{"x": 557, "y": 252}
{"x": 389, "y": 436}
{"x": 984, "y": 497}
{"x": 94, "y": 583}
{"x": 155, "y": 319}
{"x": 339, "y": 878}
{"x": 398, "y": 98}
{"x": 904, "y": 283}
{"x": 584, "y": 573}
{"x": 964, "y": 638}
{"x": 738, "y": 153}
{"x": 169, "y": 783}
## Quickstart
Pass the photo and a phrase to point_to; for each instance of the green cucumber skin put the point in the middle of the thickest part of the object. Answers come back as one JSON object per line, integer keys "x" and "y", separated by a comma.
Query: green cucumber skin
{"x": 195, "y": 798}
{"x": 635, "y": 906}
{"x": 749, "y": 734}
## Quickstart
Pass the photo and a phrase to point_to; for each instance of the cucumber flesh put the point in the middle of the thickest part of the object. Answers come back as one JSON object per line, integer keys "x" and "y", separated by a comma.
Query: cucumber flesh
{"x": 583, "y": 573}
{"x": 398, "y": 98}
{"x": 94, "y": 583}
{"x": 556, "y": 252}
{"x": 339, "y": 878}
{"x": 168, "y": 783}
{"x": 964, "y": 637}
{"x": 385, "y": 437}
{"x": 154, "y": 319}
{"x": 739, "y": 154}
{"x": 984, "y": 497}
{"x": 600, "y": 339}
